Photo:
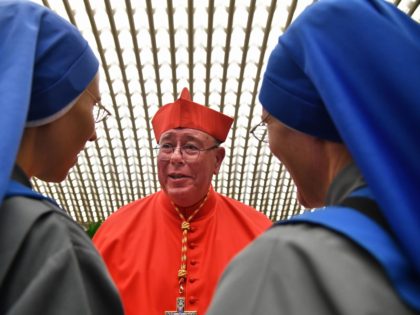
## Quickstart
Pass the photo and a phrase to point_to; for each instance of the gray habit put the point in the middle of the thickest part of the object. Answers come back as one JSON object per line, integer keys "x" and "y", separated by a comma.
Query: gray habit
{"x": 305, "y": 269}
{"x": 48, "y": 265}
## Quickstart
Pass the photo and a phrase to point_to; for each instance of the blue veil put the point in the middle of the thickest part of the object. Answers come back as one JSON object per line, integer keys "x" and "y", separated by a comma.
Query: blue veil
{"x": 349, "y": 71}
{"x": 45, "y": 64}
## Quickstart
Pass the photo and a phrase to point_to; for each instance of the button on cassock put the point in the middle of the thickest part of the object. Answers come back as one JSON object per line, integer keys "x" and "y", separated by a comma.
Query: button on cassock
{"x": 193, "y": 245}
{"x": 192, "y": 280}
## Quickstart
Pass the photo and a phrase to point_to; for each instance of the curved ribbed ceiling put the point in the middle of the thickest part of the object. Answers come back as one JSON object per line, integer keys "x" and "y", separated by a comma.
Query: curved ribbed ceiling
{"x": 150, "y": 50}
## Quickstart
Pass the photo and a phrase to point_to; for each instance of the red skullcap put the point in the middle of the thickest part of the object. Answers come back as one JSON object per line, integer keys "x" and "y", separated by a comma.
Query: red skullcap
{"x": 184, "y": 113}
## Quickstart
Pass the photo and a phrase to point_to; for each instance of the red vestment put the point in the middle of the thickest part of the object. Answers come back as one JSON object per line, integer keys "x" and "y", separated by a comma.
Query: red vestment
{"x": 141, "y": 245}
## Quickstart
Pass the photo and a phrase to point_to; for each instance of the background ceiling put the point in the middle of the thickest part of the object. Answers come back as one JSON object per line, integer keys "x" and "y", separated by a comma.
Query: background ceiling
{"x": 149, "y": 50}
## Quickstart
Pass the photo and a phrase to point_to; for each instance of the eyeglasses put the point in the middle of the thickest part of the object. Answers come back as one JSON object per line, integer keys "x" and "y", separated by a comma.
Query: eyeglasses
{"x": 259, "y": 131}
{"x": 188, "y": 152}
{"x": 100, "y": 113}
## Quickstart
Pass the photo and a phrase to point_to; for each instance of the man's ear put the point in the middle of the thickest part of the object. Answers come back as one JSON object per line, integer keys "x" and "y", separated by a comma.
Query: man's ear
{"x": 220, "y": 155}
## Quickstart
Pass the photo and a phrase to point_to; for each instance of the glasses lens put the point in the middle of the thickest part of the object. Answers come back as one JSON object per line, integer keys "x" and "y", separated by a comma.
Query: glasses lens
{"x": 260, "y": 132}
{"x": 188, "y": 153}
{"x": 100, "y": 113}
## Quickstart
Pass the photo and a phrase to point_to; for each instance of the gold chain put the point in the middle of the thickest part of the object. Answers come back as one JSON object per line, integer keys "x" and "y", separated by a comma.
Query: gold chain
{"x": 185, "y": 227}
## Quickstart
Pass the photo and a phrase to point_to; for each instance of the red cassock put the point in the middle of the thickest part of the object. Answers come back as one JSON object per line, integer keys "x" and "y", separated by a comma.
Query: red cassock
{"x": 141, "y": 245}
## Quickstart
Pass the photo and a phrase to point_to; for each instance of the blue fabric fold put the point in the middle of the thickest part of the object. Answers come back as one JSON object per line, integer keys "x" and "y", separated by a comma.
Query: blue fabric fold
{"x": 41, "y": 58}
{"x": 15, "y": 189}
{"x": 373, "y": 238}
{"x": 349, "y": 71}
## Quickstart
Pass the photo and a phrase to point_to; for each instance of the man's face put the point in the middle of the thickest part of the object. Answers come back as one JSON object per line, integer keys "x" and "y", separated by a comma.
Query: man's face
{"x": 186, "y": 180}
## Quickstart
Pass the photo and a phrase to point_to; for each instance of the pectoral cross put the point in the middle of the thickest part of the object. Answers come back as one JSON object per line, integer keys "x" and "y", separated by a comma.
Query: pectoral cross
{"x": 180, "y": 304}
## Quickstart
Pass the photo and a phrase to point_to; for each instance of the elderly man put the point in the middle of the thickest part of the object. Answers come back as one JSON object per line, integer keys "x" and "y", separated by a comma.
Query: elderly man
{"x": 341, "y": 103}
{"x": 49, "y": 89}
{"x": 166, "y": 251}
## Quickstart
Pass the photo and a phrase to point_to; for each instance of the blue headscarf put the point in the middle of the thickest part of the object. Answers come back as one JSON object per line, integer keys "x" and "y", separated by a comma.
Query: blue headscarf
{"x": 45, "y": 64}
{"x": 349, "y": 71}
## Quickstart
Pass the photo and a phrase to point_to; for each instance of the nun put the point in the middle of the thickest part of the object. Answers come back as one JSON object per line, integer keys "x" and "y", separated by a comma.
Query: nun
{"x": 341, "y": 103}
{"x": 48, "y": 94}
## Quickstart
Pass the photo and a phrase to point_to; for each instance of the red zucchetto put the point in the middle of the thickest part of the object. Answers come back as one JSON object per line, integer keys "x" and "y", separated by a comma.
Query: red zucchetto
{"x": 184, "y": 113}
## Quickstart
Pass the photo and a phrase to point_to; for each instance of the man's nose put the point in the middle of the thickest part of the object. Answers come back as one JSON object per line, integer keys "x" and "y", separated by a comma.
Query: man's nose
{"x": 177, "y": 154}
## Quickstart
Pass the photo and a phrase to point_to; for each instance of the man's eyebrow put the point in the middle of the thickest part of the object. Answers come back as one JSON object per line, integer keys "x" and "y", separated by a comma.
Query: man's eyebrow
{"x": 167, "y": 136}
{"x": 186, "y": 137}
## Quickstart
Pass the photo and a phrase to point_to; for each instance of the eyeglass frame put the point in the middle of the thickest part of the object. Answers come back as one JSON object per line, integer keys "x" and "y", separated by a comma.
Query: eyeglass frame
{"x": 262, "y": 123}
{"x": 101, "y": 107}
{"x": 181, "y": 151}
